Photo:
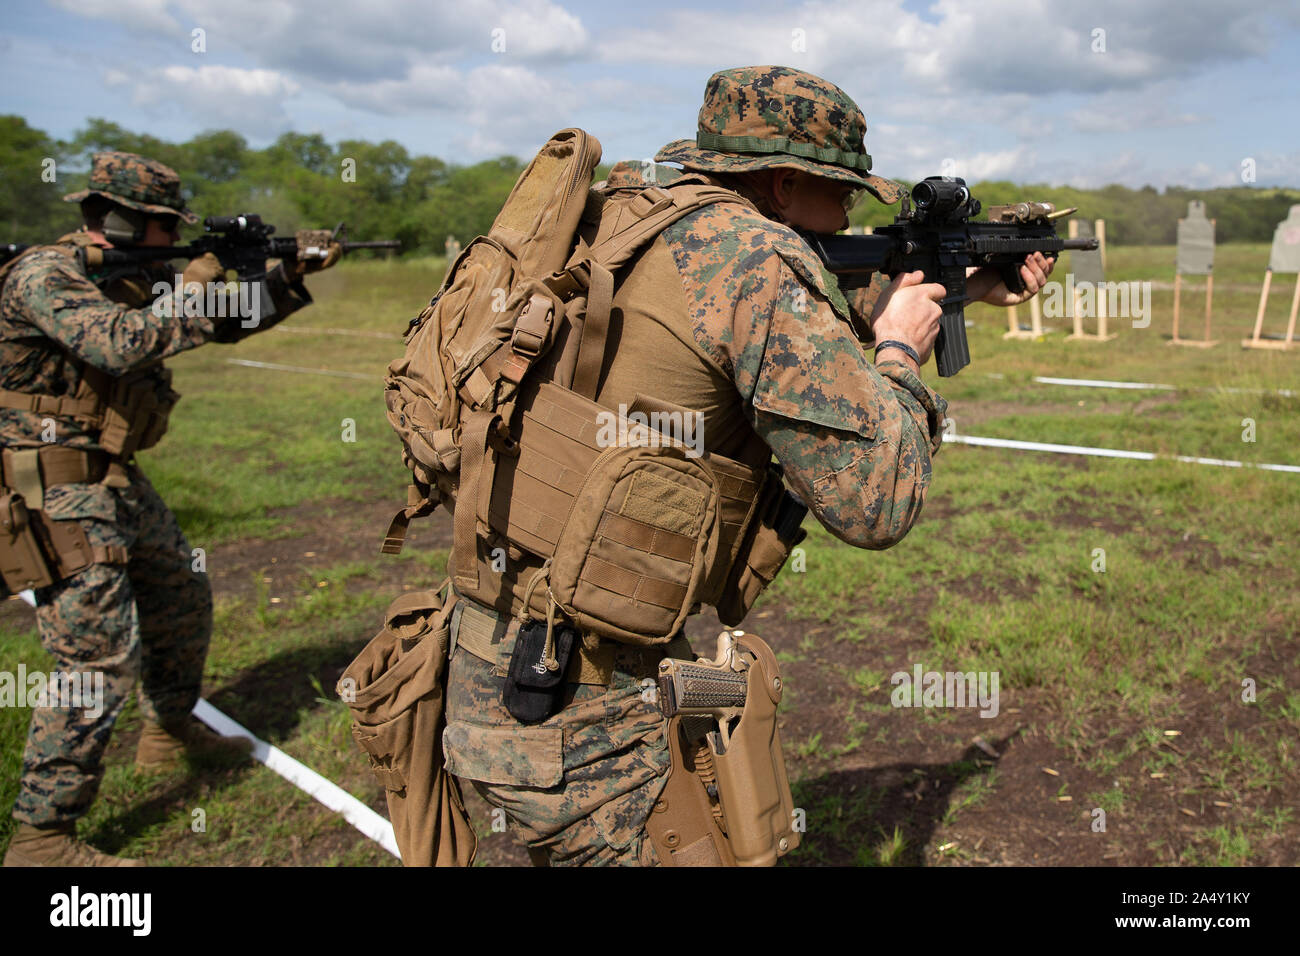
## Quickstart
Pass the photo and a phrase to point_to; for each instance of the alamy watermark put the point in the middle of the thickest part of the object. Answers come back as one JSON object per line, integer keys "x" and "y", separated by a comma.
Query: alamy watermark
{"x": 1122, "y": 300}
{"x": 84, "y": 690}
{"x": 651, "y": 430}
{"x": 924, "y": 688}
{"x": 215, "y": 300}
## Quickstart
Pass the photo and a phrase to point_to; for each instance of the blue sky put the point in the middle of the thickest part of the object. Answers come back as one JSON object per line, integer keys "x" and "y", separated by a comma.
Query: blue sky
{"x": 1171, "y": 93}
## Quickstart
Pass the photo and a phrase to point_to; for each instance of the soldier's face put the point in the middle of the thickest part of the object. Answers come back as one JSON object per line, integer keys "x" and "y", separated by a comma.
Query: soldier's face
{"x": 161, "y": 231}
{"x": 813, "y": 202}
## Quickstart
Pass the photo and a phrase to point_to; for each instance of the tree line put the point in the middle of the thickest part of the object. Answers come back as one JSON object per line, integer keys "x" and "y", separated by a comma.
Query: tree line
{"x": 383, "y": 191}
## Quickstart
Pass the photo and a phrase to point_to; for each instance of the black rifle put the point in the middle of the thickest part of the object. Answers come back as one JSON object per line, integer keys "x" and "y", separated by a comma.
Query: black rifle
{"x": 242, "y": 243}
{"x": 933, "y": 234}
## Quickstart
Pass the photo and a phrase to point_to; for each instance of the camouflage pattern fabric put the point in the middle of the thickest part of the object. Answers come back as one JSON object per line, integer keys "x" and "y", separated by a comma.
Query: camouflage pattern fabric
{"x": 635, "y": 173}
{"x": 576, "y": 788}
{"x": 149, "y": 620}
{"x": 855, "y": 439}
{"x": 760, "y": 117}
{"x": 137, "y": 183}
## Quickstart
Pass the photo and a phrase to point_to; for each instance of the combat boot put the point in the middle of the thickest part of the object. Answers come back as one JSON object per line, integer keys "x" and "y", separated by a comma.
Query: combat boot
{"x": 161, "y": 748}
{"x": 57, "y": 846}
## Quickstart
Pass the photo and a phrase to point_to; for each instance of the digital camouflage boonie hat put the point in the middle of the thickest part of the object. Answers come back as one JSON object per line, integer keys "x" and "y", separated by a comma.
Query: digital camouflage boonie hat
{"x": 760, "y": 117}
{"x": 137, "y": 183}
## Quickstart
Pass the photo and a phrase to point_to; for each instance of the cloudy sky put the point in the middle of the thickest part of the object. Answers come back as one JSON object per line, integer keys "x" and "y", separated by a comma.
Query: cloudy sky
{"x": 1088, "y": 93}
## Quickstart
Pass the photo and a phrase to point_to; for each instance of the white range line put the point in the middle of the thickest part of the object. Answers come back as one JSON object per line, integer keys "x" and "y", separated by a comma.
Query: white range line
{"x": 1107, "y": 452}
{"x": 1154, "y": 386}
{"x": 300, "y": 775}
{"x": 247, "y": 363}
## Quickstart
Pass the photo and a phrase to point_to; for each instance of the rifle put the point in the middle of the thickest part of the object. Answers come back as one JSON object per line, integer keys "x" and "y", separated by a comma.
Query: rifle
{"x": 242, "y": 243}
{"x": 936, "y": 237}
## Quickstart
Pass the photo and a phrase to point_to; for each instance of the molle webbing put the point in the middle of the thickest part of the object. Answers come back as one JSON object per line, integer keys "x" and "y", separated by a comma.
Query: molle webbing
{"x": 558, "y": 446}
{"x": 126, "y": 410}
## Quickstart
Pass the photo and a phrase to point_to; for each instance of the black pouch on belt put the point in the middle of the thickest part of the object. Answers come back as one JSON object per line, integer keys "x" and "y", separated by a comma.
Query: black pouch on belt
{"x": 533, "y": 690}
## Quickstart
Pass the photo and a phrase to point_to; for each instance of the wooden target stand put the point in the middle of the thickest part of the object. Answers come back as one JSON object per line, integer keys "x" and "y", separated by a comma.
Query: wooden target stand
{"x": 1209, "y": 297}
{"x": 1257, "y": 341}
{"x": 1035, "y": 330}
{"x": 1099, "y": 230}
{"x": 1192, "y": 258}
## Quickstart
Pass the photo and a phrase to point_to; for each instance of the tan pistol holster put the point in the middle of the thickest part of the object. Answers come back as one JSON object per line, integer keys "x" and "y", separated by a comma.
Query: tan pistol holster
{"x": 36, "y": 551}
{"x": 727, "y": 801}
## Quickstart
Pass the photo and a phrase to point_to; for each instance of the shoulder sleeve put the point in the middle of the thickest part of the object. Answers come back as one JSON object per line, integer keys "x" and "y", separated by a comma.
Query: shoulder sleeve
{"x": 49, "y": 293}
{"x": 856, "y": 442}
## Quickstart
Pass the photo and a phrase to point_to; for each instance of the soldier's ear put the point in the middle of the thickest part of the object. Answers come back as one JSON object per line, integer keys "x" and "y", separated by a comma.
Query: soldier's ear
{"x": 781, "y": 183}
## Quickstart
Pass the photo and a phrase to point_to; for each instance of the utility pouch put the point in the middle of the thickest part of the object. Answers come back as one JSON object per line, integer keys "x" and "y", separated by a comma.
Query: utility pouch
{"x": 534, "y": 688}
{"x": 631, "y": 561}
{"x": 22, "y": 559}
{"x": 771, "y": 537}
{"x": 395, "y": 690}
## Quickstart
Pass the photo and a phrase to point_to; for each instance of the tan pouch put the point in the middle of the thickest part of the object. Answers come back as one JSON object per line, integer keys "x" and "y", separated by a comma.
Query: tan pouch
{"x": 762, "y": 553}
{"x": 22, "y": 559}
{"x": 632, "y": 556}
{"x": 395, "y": 688}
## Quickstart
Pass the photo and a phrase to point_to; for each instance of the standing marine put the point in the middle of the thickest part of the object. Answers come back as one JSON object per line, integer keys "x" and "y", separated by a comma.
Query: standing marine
{"x": 82, "y": 388}
{"x": 590, "y": 556}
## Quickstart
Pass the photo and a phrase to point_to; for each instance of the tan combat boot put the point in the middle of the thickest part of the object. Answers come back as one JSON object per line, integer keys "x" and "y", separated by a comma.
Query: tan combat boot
{"x": 57, "y": 846}
{"x": 161, "y": 749}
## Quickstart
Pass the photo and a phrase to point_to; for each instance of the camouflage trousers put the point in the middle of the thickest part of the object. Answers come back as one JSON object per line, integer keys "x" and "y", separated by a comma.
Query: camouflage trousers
{"x": 578, "y": 787}
{"x": 148, "y": 621}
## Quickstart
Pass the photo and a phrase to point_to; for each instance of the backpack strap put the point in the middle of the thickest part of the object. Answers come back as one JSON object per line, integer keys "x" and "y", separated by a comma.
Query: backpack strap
{"x": 637, "y": 224}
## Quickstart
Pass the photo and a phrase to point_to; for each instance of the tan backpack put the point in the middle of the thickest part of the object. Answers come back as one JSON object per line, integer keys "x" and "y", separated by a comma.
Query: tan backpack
{"x": 634, "y": 539}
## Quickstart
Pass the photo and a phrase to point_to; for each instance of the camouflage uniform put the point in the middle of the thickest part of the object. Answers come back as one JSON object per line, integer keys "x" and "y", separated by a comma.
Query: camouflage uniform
{"x": 729, "y": 313}
{"x": 149, "y": 618}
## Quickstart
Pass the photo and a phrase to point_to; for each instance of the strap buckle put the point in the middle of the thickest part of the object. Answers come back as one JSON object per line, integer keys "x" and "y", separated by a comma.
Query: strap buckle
{"x": 651, "y": 200}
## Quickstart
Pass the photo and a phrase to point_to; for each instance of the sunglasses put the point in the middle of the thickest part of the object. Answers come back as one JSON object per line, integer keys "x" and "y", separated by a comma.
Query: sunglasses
{"x": 168, "y": 223}
{"x": 851, "y": 198}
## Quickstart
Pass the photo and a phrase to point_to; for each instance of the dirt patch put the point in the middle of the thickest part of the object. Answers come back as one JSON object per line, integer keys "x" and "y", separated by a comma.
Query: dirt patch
{"x": 317, "y": 535}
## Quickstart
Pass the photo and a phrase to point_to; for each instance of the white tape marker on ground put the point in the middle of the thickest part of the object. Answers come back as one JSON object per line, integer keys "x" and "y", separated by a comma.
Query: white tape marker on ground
{"x": 300, "y": 775}
{"x": 1108, "y": 452}
{"x": 305, "y": 779}
{"x": 355, "y": 333}
{"x": 1154, "y": 386}
{"x": 297, "y": 368}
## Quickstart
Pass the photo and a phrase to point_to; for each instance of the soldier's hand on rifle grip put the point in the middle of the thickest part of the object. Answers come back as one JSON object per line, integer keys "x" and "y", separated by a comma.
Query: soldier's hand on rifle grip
{"x": 316, "y": 251}
{"x": 206, "y": 268}
{"x": 908, "y": 311}
{"x": 985, "y": 285}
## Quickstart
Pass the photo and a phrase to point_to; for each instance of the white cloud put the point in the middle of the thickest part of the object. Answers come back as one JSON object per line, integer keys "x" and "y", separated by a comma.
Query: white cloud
{"x": 140, "y": 16}
{"x": 249, "y": 100}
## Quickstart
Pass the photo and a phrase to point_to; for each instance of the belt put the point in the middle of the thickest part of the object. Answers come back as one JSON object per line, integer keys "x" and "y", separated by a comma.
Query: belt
{"x": 480, "y": 631}
{"x": 29, "y": 471}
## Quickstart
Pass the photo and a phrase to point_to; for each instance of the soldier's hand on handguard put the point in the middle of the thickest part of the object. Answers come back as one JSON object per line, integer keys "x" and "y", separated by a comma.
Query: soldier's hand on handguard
{"x": 908, "y": 311}
{"x": 985, "y": 285}
{"x": 206, "y": 268}
{"x": 316, "y": 251}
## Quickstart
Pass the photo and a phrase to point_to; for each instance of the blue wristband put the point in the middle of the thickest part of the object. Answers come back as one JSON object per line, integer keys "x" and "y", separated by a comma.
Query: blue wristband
{"x": 895, "y": 344}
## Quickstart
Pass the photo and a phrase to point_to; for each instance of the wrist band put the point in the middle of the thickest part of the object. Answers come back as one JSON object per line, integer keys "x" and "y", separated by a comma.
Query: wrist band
{"x": 895, "y": 344}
